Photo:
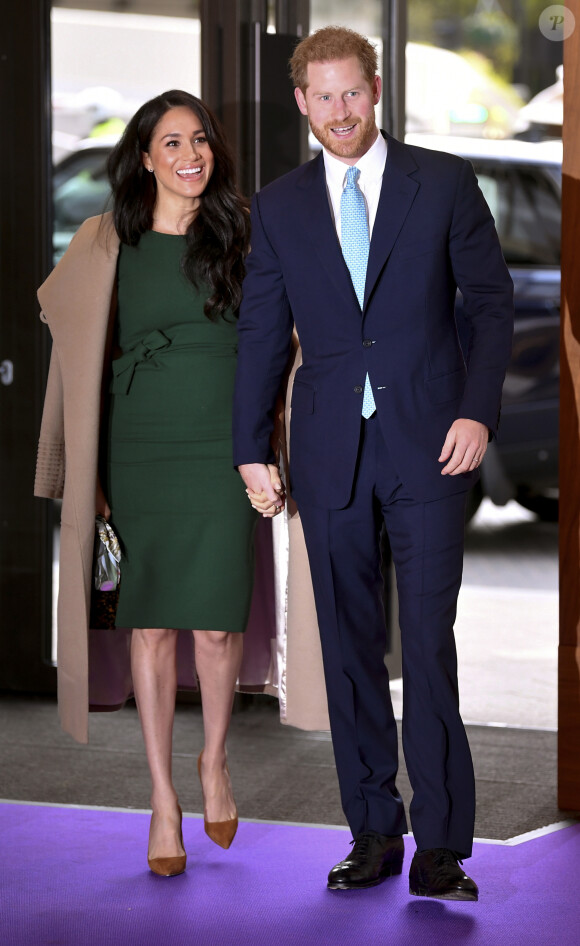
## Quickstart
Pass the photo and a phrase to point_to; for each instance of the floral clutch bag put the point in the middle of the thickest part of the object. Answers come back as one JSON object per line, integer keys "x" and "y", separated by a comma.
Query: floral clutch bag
{"x": 106, "y": 576}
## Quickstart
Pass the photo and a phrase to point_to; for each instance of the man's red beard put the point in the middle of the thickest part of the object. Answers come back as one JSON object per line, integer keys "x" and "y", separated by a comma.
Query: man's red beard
{"x": 354, "y": 147}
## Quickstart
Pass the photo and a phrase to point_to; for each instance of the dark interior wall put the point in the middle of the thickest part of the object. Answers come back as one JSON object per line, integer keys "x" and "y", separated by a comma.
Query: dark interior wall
{"x": 25, "y": 540}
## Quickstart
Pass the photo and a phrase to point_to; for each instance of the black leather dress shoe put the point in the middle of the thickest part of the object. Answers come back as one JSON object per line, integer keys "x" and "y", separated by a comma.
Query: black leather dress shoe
{"x": 374, "y": 857}
{"x": 436, "y": 873}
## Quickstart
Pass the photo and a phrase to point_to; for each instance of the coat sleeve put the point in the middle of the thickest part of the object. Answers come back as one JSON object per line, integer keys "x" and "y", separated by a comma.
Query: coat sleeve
{"x": 49, "y": 480}
{"x": 264, "y": 339}
{"x": 486, "y": 285}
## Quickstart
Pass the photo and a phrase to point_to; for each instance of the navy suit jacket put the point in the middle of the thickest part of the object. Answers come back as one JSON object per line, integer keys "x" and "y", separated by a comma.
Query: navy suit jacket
{"x": 433, "y": 233}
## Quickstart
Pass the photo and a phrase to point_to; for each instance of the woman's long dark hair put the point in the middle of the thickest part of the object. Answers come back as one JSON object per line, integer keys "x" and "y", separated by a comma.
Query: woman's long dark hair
{"x": 217, "y": 240}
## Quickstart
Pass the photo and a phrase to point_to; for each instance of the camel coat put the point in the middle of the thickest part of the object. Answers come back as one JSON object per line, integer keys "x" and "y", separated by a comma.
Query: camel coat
{"x": 77, "y": 302}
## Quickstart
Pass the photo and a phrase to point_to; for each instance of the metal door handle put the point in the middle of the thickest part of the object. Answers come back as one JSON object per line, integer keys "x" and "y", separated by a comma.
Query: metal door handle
{"x": 6, "y": 372}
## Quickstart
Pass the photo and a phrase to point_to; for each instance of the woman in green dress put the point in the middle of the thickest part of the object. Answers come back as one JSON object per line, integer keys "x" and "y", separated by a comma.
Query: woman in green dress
{"x": 166, "y": 477}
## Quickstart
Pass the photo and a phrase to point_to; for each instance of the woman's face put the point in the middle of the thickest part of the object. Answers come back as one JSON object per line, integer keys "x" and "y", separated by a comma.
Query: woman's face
{"x": 179, "y": 156}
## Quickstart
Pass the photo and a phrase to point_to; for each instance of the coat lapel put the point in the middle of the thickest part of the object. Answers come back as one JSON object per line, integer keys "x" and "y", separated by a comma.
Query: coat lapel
{"x": 397, "y": 195}
{"x": 322, "y": 231}
{"x": 76, "y": 297}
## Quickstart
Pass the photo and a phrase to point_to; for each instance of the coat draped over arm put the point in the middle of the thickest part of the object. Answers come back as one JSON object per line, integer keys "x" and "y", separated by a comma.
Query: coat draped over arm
{"x": 94, "y": 673}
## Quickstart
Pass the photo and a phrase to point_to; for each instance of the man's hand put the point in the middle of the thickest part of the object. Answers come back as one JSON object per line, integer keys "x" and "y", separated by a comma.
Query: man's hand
{"x": 264, "y": 487}
{"x": 464, "y": 446}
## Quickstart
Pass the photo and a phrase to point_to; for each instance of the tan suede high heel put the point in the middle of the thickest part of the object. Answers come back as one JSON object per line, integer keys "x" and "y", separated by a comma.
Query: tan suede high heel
{"x": 169, "y": 866}
{"x": 220, "y": 832}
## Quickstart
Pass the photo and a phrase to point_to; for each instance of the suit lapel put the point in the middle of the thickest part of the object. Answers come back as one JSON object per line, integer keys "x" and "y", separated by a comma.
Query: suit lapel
{"x": 397, "y": 195}
{"x": 321, "y": 229}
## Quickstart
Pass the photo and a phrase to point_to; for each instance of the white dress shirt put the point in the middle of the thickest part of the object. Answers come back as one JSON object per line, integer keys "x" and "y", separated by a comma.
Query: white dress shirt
{"x": 371, "y": 167}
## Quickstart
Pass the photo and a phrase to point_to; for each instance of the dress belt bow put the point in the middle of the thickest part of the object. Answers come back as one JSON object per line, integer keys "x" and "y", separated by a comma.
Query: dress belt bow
{"x": 124, "y": 367}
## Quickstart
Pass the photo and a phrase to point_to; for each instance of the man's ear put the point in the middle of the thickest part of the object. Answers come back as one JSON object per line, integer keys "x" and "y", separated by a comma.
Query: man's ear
{"x": 377, "y": 88}
{"x": 301, "y": 101}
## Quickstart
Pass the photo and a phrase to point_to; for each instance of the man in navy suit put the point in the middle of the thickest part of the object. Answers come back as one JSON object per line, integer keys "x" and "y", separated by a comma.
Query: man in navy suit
{"x": 390, "y": 422}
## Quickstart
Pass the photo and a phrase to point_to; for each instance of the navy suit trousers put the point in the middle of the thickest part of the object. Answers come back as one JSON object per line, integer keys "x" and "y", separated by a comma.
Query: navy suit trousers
{"x": 426, "y": 542}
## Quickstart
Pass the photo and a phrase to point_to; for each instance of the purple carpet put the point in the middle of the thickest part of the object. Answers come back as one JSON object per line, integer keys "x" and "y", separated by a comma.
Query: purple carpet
{"x": 78, "y": 877}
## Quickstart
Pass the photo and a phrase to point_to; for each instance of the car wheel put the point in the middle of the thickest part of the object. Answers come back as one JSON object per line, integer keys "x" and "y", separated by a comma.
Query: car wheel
{"x": 544, "y": 506}
{"x": 474, "y": 497}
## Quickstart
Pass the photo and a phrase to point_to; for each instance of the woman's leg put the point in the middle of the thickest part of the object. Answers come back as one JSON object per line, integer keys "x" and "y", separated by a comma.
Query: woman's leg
{"x": 218, "y": 656}
{"x": 153, "y": 652}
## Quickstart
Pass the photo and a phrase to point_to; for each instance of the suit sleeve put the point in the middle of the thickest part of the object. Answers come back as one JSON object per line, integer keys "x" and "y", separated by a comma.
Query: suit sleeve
{"x": 264, "y": 339}
{"x": 49, "y": 479}
{"x": 485, "y": 283}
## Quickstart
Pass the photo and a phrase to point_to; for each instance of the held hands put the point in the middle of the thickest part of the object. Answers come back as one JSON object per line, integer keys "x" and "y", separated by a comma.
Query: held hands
{"x": 264, "y": 488}
{"x": 464, "y": 446}
{"x": 462, "y": 452}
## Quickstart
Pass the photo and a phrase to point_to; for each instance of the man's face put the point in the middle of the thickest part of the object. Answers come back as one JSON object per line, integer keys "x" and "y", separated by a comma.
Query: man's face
{"x": 340, "y": 105}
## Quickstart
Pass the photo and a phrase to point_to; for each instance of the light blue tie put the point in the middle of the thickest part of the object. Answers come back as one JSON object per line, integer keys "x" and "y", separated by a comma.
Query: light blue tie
{"x": 354, "y": 233}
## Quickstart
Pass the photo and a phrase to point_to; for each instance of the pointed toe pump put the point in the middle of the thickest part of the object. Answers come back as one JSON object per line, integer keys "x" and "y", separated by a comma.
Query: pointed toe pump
{"x": 169, "y": 866}
{"x": 220, "y": 832}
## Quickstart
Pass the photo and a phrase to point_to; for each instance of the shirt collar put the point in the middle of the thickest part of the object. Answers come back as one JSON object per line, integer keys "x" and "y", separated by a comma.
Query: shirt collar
{"x": 371, "y": 165}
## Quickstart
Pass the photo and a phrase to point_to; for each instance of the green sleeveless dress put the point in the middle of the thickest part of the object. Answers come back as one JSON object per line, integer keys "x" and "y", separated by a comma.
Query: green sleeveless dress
{"x": 179, "y": 507}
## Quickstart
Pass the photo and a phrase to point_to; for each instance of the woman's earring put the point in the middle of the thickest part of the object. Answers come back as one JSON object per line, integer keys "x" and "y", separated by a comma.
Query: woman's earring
{"x": 150, "y": 169}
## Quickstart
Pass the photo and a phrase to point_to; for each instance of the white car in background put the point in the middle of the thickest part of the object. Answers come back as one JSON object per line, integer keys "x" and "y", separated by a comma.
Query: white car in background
{"x": 80, "y": 189}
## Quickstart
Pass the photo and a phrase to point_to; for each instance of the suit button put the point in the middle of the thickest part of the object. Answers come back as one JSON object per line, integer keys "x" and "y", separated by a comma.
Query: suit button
{"x": 367, "y": 343}
{"x": 358, "y": 389}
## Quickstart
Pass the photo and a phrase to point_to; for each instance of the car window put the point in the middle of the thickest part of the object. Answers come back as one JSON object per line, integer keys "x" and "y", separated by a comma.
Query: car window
{"x": 525, "y": 204}
{"x": 80, "y": 190}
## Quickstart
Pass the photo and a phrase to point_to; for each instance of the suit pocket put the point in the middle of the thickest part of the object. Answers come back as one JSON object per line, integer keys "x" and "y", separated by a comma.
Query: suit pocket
{"x": 416, "y": 248}
{"x": 447, "y": 387}
{"x": 302, "y": 398}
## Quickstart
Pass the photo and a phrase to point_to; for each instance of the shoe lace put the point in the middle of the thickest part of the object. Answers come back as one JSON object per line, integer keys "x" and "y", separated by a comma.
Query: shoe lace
{"x": 443, "y": 857}
{"x": 360, "y": 845}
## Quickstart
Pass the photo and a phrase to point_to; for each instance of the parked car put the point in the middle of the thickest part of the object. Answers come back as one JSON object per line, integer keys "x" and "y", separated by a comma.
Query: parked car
{"x": 521, "y": 181}
{"x": 80, "y": 189}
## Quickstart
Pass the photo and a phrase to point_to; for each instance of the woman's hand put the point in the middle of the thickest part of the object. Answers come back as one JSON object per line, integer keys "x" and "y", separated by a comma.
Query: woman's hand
{"x": 262, "y": 503}
{"x": 102, "y": 507}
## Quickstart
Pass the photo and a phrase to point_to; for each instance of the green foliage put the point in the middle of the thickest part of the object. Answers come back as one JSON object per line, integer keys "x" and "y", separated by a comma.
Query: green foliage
{"x": 493, "y": 28}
